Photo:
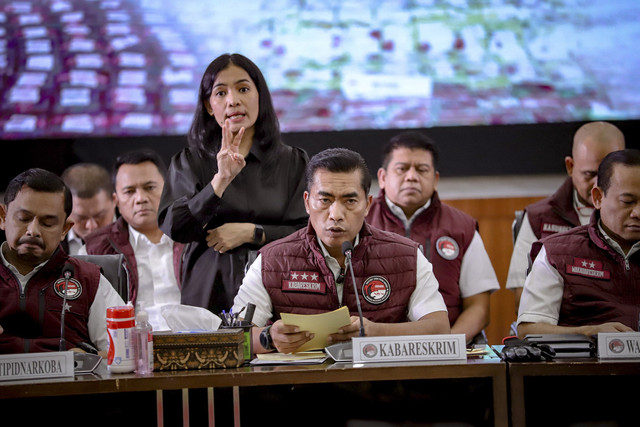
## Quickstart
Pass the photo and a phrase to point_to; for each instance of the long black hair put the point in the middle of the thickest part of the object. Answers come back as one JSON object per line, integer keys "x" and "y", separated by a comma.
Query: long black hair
{"x": 206, "y": 134}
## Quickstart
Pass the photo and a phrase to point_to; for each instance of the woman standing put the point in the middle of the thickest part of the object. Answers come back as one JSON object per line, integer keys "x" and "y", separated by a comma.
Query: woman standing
{"x": 235, "y": 187}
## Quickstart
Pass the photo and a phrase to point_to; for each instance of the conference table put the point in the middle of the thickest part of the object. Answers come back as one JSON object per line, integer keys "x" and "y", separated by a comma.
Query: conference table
{"x": 329, "y": 393}
{"x": 478, "y": 391}
{"x": 586, "y": 391}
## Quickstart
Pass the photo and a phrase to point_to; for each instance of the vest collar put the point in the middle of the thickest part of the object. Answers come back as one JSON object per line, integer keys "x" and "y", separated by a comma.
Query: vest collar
{"x": 600, "y": 237}
{"x": 562, "y": 201}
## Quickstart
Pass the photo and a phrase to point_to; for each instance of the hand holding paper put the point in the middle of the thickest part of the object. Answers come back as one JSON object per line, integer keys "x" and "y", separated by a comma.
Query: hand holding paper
{"x": 321, "y": 325}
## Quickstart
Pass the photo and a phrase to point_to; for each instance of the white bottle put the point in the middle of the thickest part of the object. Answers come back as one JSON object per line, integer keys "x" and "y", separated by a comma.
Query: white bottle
{"x": 120, "y": 325}
{"x": 143, "y": 344}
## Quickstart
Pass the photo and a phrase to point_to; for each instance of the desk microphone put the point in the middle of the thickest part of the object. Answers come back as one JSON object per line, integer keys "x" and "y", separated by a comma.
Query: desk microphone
{"x": 67, "y": 272}
{"x": 343, "y": 351}
{"x": 347, "y": 249}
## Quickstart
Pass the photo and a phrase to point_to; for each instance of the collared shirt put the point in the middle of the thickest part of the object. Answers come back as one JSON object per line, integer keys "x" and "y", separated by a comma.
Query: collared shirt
{"x": 476, "y": 271}
{"x": 157, "y": 284}
{"x": 105, "y": 297}
{"x": 75, "y": 242}
{"x": 425, "y": 299}
{"x": 397, "y": 211}
{"x": 520, "y": 256}
{"x": 543, "y": 290}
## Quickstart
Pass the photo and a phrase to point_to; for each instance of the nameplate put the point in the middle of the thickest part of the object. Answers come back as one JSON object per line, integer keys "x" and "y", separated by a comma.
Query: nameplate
{"x": 28, "y": 366}
{"x": 409, "y": 348}
{"x": 619, "y": 345}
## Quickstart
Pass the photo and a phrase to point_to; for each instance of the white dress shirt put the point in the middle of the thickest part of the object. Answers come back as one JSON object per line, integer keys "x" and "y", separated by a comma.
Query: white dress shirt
{"x": 520, "y": 256}
{"x": 425, "y": 298}
{"x": 157, "y": 284}
{"x": 544, "y": 288}
{"x": 75, "y": 242}
{"x": 105, "y": 297}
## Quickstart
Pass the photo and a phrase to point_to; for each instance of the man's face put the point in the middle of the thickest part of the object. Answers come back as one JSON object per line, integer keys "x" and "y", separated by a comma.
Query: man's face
{"x": 336, "y": 204}
{"x": 410, "y": 179}
{"x": 620, "y": 207}
{"x": 138, "y": 191}
{"x": 90, "y": 214}
{"x": 583, "y": 168}
{"x": 34, "y": 223}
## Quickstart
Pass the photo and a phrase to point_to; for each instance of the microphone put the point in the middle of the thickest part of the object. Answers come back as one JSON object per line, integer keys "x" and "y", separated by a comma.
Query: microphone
{"x": 67, "y": 272}
{"x": 347, "y": 250}
{"x": 343, "y": 351}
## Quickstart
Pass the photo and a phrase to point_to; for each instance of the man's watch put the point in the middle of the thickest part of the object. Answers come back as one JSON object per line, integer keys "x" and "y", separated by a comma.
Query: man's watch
{"x": 258, "y": 234}
{"x": 265, "y": 339}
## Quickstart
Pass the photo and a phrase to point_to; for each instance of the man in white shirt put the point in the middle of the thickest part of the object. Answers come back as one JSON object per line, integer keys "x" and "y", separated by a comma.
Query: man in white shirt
{"x": 94, "y": 202}
{"x": 305, "y": 271}
{"x": 152, "y": 258}
{"x": 571, "y": 205}
{"x": 587, "y": 280}
{"x": 409, "y": 205}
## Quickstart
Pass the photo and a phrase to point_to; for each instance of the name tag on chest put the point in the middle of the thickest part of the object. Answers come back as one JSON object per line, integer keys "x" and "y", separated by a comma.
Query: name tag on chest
{"x": 304, "y": 281}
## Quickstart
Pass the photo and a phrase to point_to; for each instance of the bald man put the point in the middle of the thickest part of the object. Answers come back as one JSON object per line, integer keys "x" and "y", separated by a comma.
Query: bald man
{"x": 571, "y": 205}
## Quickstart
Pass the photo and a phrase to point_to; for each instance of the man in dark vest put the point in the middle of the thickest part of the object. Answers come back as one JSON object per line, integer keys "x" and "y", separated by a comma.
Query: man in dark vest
{"x": 305, "y": 272}
{"x": 408, "y": 204}
{"x": 571, "y": 204}
{"x": 587, "y": 280}
{"x": 35, "y": 219}
{"x": 94, "y": 202}
{"x": 153, "y": 260}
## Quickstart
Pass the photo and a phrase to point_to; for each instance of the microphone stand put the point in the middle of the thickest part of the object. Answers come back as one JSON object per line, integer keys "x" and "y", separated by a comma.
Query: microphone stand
{"x": 349, "y": 266}
{"x": 63, "y": 344}
{"x": 343, "y": 351}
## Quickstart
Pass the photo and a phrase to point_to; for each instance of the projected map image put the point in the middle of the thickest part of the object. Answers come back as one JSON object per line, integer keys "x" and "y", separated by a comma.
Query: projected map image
{"x": 125, "y": 67}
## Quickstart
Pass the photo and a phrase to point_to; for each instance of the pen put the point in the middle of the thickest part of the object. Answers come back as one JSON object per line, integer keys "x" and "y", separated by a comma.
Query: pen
{"x": 250, "y": 309}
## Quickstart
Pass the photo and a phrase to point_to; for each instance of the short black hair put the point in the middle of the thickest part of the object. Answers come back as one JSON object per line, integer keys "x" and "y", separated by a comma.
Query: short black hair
{"x": 135, "y": 157}
{"x": 411, "y": 140}
{"x": 627, "y": 157}
{"x": 40, "y": 180}
{"x": 85, "y": 180}
{"x": 339, "y": 160}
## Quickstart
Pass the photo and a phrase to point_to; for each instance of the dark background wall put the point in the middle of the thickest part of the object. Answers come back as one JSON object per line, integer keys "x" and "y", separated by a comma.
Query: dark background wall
{"x": 465, "y": 151}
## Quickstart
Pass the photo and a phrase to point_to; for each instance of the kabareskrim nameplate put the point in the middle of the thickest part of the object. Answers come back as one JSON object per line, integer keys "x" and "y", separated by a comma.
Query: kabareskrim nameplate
{"x": 27, "y": 366}
{"x": 619, "y": 345}
{"x": 409, "y": 348}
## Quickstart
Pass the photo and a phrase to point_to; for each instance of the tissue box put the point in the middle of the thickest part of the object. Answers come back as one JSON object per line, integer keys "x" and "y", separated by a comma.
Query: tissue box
{"x": 198, "y": 350}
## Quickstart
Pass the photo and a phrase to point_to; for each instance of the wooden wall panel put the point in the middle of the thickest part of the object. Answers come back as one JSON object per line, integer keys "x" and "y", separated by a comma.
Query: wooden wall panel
{"x": 495, "y": 217}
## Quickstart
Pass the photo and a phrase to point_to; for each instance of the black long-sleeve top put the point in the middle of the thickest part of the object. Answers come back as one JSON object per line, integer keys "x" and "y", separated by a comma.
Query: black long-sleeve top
{"x": 268, "y": 192}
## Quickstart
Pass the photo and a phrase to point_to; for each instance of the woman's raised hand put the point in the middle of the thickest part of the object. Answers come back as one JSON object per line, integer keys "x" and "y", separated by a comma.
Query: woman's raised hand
{"x": 230, "y": 160}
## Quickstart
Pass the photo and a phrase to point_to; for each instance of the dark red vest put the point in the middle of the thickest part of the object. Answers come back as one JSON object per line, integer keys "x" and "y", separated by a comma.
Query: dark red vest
{"x": 32, "y": 319}
{"x": 114, "y": 239}
{"x": 555, "y": 213}
{"x": 380, "y": 258}
{"x": 599, "y": 285}
{"x": 443, "y": 232}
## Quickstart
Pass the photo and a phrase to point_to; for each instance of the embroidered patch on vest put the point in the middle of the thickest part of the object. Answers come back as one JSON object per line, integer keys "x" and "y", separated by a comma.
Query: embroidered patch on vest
{"x": 587, "y": 268}
{"x": 74, "y": 288}
{"x": 304, "y": 281}
{"x": 553, "y": 228}
{"x": 447, "y": 248}
{"x": 376, "y": 290}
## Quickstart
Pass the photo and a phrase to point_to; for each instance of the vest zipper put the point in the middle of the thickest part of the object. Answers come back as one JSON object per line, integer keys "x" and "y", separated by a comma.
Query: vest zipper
{"x": 41, "y": 307}
{"x": 23, "y": 294}
{"x": 626, "y": 264}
